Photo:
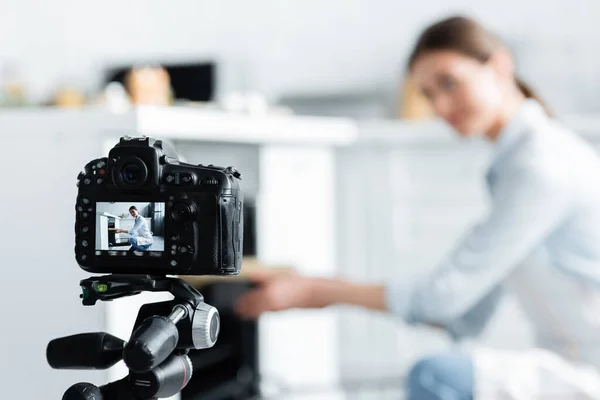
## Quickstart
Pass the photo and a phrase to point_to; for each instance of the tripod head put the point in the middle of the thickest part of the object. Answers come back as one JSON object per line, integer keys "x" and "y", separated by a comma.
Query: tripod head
{"x": 156, "y": 354}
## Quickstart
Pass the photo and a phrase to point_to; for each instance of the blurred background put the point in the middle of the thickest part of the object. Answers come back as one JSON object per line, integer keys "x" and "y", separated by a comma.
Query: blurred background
{"x": 344, "y": 171}
{"x": 342, "y": 57}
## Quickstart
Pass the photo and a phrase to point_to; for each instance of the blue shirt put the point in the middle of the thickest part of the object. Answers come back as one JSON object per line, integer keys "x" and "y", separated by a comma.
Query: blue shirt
{"x": 544, "y": 183}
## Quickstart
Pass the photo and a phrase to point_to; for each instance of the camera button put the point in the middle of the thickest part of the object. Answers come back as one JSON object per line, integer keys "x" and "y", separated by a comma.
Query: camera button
{"x": 87, "y": 181}
{"x": 84, "y": 243}
{"x": 99, "y": 181}
{"x": 85, "y": 229}
{"x": 82, "y": 201}
{"x": 173, "y": 263}
{"x": 170, "y": 178}
{"x": 185, "y": 249}
{"x": 186, "y": 178}
{"x": 85, "y": 215}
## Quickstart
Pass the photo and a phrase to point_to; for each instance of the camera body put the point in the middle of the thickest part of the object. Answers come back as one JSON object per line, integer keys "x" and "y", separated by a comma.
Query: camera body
{"x": 142, "y": 211}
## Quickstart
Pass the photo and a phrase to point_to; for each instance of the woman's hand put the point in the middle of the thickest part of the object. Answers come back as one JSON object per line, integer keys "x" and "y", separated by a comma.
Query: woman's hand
{"x": 121, "y": 231}
{"x": 276, "y": 292}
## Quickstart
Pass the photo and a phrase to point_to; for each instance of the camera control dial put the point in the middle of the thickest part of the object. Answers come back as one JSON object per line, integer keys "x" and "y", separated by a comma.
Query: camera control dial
{"x": 183, "y": 211}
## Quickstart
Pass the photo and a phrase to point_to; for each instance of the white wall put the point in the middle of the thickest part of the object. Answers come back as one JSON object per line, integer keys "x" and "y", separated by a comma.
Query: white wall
{"x": 39, "y": 300}
{"x": 122, "y": 208}
{"x": 294, "y": 45}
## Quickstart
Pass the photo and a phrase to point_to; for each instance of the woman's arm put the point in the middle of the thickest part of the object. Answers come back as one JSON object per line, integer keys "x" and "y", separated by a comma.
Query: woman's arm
{"x": 136, "y": 225}
{"x": 285, "y": 291}
{"x": 326, "y": 292}
{"x": 528, "y": 204}
{"x": 526, "y": 209}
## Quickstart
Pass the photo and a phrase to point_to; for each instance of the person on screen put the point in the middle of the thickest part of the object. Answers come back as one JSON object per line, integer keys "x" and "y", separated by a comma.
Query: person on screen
{"x": 544, "y": 183}
{"x": 140, "y": 236}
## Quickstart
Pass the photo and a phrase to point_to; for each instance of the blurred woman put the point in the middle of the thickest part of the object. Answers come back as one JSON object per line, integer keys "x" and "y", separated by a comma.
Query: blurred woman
{"x": 544, "y": 183}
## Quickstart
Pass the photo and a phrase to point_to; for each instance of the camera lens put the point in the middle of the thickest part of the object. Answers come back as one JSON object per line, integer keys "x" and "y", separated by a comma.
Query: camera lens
{"x": 132, "y": 173}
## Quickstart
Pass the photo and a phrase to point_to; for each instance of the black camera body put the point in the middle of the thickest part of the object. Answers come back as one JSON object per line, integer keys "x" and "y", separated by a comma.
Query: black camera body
{"x": 142, "y": 211}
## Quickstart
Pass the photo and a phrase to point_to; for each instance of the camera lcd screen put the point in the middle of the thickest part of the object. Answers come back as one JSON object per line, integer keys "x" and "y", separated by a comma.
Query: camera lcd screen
{"x": 136, "y": 227}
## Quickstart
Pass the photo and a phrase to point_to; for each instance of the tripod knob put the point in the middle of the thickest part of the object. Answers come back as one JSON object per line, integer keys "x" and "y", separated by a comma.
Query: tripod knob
{"x": 206, "y": 325}
{"x": 166, "y": 380}
{"x": 150, "y": 344}
{"x": 83, "y": 391}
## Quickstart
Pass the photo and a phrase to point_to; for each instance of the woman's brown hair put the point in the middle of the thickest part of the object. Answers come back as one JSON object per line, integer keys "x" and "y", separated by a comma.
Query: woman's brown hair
{"x": 469, "y": 38}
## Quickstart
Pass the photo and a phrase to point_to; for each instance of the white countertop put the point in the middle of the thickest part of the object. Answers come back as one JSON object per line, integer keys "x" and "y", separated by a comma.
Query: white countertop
{"x": 193, "y": 123}
{"x": 201, "y": 124}
{"x": 180, "y": 123}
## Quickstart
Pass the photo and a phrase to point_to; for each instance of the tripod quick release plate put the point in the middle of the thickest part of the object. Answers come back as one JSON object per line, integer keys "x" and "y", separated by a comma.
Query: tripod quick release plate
{"x": 110, "y": 287}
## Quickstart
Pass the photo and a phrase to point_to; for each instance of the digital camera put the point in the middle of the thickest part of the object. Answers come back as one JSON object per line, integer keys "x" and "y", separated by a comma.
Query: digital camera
{"x": 143, "y": 211}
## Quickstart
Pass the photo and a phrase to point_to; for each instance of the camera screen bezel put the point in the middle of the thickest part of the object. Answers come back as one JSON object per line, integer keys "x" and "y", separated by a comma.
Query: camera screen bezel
{"x": 130, "y": 263}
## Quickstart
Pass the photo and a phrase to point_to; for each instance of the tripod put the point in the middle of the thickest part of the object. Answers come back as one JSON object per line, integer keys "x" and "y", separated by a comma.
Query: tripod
{"x": 156, "y": 354}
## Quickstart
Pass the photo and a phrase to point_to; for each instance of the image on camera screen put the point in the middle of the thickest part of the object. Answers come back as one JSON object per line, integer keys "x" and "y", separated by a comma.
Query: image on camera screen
{"x": 130, "y": 226}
